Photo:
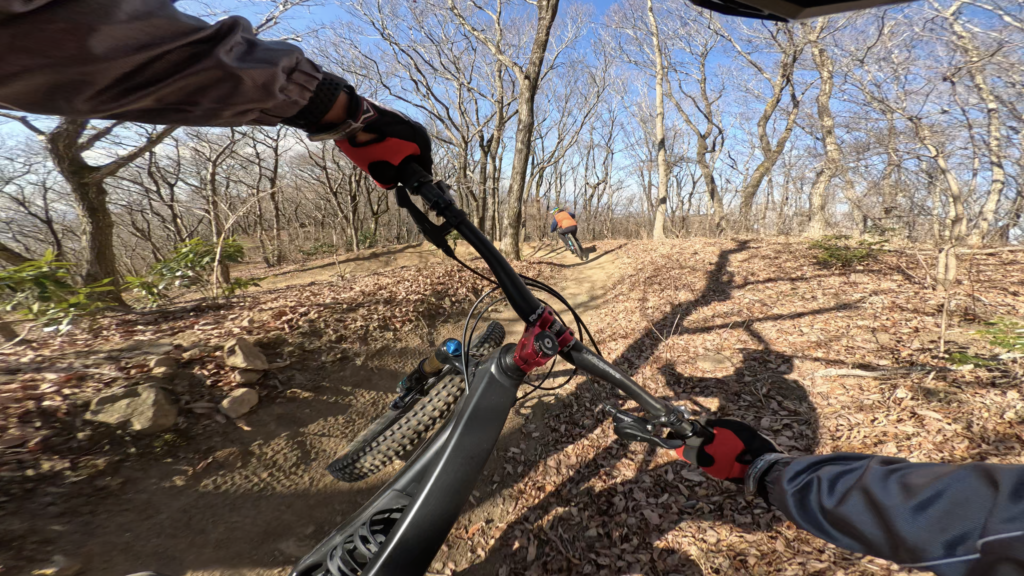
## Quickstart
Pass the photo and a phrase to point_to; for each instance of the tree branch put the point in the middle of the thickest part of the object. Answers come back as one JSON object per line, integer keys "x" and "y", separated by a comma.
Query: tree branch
{"x": 115, "y": 166}
{"x": 98, "y": 135}
{"x": 24, "y": 121}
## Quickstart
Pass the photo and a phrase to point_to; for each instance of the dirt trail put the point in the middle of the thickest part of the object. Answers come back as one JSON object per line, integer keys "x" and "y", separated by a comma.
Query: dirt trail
{"x": 252, "y": 500}
{"x": 736, "y": 328}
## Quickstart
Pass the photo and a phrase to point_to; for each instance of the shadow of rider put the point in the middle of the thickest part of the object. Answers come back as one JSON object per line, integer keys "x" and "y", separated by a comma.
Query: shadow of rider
{"x": 629, "y": 501}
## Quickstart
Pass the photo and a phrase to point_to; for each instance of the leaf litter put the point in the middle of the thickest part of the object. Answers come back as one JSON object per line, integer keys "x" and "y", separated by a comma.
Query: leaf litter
{"x": 570, "y": 498}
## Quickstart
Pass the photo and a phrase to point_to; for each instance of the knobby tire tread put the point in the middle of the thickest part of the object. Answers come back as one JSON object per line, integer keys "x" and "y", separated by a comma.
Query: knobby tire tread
{"x": 371, "y": 455}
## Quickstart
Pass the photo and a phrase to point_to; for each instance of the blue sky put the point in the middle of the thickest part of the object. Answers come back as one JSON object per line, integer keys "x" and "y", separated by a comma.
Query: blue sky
{"x": 330, "y": 10}
{"x": 301, "y": 19}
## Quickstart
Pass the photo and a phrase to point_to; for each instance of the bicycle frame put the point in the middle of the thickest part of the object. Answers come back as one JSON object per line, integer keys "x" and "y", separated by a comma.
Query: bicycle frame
{"x": 423, "y": 501}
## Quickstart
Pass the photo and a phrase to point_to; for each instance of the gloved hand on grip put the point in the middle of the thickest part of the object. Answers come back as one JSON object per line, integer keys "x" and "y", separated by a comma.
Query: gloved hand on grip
{"x": 730, "y": 453}
{"x": 385, "y": 140}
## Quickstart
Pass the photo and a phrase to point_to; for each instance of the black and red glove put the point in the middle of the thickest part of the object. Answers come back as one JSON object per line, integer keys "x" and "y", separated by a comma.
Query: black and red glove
{"x": 395, "y": 139}
{"x": 730, "y": 453}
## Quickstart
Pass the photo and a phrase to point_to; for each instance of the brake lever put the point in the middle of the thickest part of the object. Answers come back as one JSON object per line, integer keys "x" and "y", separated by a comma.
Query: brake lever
{"x": 633, "y": 428}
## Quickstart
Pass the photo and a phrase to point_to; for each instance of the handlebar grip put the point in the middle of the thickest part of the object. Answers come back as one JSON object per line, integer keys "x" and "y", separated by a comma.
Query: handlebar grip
{"x": 410, "y": 174}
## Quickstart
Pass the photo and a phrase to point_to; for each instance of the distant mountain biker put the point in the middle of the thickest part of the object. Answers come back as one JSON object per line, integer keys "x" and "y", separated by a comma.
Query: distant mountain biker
{"x": 564, "y": 222}
{"x": 144, "y": 61}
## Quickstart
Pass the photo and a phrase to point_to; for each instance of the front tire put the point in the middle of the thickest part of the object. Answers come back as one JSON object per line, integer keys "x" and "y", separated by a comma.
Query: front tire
{"x": 391, "y": 439}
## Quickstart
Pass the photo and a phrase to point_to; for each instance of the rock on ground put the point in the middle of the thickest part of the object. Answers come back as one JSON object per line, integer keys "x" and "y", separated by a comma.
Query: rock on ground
{"x": 164, "y": 362}
{"x": 239, "y": 402}
{"x": 248, "y": 376}
{"x": 713, "y": 361}
{"x": 15, "y": 437}
{"x": 197, "y": 353}
{"x": 240, "y": 353}
{"x": 60, "y": 566}
{"x": 147, "y": 408}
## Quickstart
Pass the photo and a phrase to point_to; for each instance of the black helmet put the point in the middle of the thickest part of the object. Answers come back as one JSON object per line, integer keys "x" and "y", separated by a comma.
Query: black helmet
{"x": 786, "y": 10}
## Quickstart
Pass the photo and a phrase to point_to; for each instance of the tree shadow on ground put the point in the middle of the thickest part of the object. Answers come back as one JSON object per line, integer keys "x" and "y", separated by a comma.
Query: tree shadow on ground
{"x": 370, "y": 254}
{"x": 571, "y": 527}
{"x": 591, "y": 250}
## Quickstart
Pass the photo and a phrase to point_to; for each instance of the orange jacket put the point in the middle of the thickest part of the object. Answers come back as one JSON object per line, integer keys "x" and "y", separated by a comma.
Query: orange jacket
{"x": 564, "y": 219}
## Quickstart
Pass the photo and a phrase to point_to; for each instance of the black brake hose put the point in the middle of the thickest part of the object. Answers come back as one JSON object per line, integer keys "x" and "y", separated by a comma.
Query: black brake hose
{"x": 467, "y": 333}
{"x": 581, "y": 325}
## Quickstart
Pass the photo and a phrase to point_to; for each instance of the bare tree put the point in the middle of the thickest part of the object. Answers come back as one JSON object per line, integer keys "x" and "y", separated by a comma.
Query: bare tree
{"x": 659, "y": 124}
{"x": 67, "y": 144}
{"x": 789, "y": 46}
{"x": 831, "y": 164}
{"x": 697, "y": 42}
{"x": 528, "y": 77}
{"x": 974, "y": 65}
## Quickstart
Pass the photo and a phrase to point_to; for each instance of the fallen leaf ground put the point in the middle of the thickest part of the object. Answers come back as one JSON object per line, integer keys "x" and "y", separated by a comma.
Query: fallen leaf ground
{"x": 736, "y": 328}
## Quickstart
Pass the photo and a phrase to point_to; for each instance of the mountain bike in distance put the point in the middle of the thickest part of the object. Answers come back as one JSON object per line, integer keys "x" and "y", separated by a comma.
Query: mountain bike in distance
{"x": 400, "y": 529}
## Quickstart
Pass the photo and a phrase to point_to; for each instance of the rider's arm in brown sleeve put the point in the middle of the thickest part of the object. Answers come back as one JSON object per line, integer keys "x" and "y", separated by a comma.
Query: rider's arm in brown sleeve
{"x": 145, "y": 61}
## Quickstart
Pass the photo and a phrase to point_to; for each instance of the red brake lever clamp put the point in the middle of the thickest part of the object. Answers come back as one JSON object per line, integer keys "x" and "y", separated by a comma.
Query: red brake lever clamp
{"x": 541, "y": 341}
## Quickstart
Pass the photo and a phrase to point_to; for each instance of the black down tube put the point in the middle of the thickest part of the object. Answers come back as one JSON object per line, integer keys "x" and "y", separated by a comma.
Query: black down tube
{"x": 424, "y": 526}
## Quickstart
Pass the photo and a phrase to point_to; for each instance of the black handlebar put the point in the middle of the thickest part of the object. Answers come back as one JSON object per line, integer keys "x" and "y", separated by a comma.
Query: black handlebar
{"x": 418, "y": 182}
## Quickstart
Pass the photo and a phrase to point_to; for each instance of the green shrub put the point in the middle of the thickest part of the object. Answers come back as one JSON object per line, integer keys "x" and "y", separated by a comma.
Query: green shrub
{"x": 1005, "y": 333}
{"x": 842, "y": 252}
{"x": 367, "y": 239}
{"x": 882, "y": 231}
{"x": 147, "y": 288}
{"x": 191, "y": 266}
{"x": 192, "y": 263}
{"x": 963, "y": 359}
{"x": 320, "y": 249}
{"x": 41, "y": 290}
{"x": 240, "y": 284}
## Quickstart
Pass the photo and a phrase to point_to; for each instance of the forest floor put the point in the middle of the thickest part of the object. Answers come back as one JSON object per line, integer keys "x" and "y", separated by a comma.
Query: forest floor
{"x": 750, "y": 329}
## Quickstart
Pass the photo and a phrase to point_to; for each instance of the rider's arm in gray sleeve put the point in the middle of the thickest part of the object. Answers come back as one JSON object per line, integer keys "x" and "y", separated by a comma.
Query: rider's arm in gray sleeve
{"x": 953, "y": 520}
{"x": 145, "y": 61}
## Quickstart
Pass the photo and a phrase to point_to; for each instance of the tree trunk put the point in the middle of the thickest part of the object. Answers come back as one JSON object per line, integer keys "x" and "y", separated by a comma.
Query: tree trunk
{"x": 261, "y": 233}
{"x": 481, "y": 207}
{"x": 275, "y": 205}
{"x": 769, "y": 155}
{"x": 711, "y": 187}
{"x": 7, "y": 332}
{"x": 945, "y": 269}
{"x": 520, "y": 163}
{"x": 659, "y": 126}
{"x": 791, "y": 47}
{"x": 1013, "y": 217}
{"x": 529, "y": 78}
{"x": 995, "y": 131}
{"x": 892, "y": 161}
{"x": 274, "y": 143}
{"x": 90, "y": 194}
{"x": 222, "y": 274}
{"x": 832, "y": 163}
